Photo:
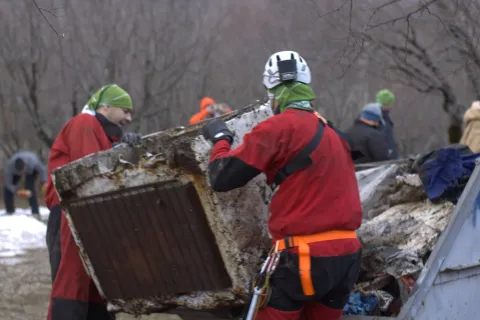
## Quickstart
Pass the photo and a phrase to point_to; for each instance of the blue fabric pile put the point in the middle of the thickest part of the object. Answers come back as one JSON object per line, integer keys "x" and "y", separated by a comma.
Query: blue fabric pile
{"x": 361, "y": 304}
{"x": 446, "y": 173}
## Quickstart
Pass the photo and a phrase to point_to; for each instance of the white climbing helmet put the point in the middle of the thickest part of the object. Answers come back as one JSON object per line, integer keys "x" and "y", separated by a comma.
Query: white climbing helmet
{"x": 284, "y": 66}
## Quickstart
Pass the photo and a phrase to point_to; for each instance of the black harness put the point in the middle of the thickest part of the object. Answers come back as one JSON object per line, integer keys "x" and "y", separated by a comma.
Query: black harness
{"x": 302, "y": 160}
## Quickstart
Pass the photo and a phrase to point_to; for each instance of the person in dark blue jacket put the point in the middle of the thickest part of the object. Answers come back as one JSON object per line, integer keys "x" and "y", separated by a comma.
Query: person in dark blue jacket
{"x": 368, "y": 137}
{"x": 386, "y": 98}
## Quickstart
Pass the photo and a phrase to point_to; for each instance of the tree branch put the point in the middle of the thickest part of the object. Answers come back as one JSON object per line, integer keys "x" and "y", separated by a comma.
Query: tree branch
{"x": 41, "y": 10}
{"x": 423, "y": 6}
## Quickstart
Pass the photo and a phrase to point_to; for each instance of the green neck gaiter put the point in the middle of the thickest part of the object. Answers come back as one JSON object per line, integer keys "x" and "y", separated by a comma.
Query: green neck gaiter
{"x": 293, "y": 95}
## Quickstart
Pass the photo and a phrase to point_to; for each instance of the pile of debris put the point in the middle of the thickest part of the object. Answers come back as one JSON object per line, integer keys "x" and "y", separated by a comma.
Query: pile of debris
{"x": 400, "y": 228}
{"x": 168, "y": 240}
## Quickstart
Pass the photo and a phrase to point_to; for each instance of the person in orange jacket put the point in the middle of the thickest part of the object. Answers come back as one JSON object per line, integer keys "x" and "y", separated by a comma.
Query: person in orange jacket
{"x": 209, "y": 109}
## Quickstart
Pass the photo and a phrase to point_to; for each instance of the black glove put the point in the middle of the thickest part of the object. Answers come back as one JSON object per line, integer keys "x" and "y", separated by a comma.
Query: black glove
{"x": 131, "y": 138}
{"x": 217, "y": 130}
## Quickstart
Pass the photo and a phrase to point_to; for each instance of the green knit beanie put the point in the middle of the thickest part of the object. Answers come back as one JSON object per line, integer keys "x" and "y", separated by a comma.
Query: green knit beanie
{"x": 110, "y": 95}
{"x": 385, "y": 97}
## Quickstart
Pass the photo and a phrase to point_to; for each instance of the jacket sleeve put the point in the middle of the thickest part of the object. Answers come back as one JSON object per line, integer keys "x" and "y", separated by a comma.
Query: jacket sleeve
{"x": 8, "y": 177}
{"x": 378, "y": 147}
{"x": 231, "y": 169}
{"x": 199, "y": 116}
{"x": 83, "y": 138}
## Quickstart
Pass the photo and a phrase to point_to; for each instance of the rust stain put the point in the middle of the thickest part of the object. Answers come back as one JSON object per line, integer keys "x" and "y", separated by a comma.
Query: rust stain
{"x": 149, "y": 241}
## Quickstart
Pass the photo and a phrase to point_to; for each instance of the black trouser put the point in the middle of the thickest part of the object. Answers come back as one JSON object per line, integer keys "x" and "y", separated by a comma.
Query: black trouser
{"x": 53, "y": 239}
{"x": 9, "y": 196}
{"x": 332, "y": 278}
{"x": 63, "y": 309}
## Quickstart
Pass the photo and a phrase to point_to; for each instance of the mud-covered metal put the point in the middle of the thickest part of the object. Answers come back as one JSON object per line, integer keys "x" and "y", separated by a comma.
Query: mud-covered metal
{"x": 136, "y": 251}
{"x": 125, "y": 204}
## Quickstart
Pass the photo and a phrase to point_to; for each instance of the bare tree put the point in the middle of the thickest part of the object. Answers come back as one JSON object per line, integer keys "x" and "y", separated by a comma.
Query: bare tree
{"x": 165, "y": 47}
{"x": 10, "y": 140}
{"x": 26, "y": 61}
{"x": 51, "y": 12}
{"x": 169, "y": 54}
{"x": 427, "y": 58}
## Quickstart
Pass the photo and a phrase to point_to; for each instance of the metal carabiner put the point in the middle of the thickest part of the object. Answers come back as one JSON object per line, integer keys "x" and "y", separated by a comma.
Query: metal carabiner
{"x": 268, "y": 268}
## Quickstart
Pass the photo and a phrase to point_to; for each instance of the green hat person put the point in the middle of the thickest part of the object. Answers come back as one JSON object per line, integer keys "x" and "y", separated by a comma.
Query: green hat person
{"x": 113, "y": 102}
{"x": 386, "y": 98}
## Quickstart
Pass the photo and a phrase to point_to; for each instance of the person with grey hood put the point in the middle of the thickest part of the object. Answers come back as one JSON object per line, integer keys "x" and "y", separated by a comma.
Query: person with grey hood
{"x": 23, "y": 163}
{"x": 367, "y": 137}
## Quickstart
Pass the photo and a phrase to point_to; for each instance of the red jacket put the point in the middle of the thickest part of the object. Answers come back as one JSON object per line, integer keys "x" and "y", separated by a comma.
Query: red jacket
{"x": 81, "y": 136}
{"x": 322, "y": 197}
{"x": 73, "y": 291}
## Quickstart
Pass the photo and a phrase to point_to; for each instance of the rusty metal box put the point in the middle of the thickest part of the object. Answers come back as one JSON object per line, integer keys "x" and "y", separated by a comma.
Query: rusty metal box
{"x": 151, "y": 232}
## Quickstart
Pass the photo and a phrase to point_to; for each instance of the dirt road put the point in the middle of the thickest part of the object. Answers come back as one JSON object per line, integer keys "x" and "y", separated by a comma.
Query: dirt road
{"x": 25, "y": 285}
{"x": 26, "y": 288}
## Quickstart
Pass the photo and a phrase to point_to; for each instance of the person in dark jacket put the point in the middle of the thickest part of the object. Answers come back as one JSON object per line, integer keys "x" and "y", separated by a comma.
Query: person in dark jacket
{"x": 23, "y": 163}
{"x": 314, "y": 210}
{"x": 74, "y": 295}
{"x": 386, "y": 99}
{"x": 367, "y": 136}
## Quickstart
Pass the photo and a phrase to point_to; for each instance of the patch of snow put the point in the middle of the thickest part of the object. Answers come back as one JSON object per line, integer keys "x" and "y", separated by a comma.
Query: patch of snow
{"x": 44, "y": 212}
{"x": 19, "y": 232}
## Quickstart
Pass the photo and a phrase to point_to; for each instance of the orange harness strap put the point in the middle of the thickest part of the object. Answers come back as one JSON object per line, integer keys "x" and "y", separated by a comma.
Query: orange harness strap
{"x": 304, "y": 259}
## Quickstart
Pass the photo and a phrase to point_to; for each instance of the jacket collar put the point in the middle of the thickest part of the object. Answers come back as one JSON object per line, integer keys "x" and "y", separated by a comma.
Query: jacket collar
{"x": 113, "y": 131}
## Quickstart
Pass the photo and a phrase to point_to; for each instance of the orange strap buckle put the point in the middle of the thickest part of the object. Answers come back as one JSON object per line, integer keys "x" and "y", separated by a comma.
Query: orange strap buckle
{"x": 304, "y": 259}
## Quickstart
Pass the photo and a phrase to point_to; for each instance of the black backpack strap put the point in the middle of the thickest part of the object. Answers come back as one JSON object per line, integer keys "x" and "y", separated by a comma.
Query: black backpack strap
{"x": 301, "y": 160}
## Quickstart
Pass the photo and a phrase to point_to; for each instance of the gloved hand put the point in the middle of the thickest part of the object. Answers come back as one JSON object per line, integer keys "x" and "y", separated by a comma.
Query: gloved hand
{"x": 217, "y": 130}
{"x": 44, "y": 188}
{"x": 24, "y": 193}
{"x": 131, "y": 138}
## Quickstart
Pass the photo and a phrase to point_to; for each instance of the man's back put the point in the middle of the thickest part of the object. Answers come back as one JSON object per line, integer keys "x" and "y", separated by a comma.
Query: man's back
{"x": 30, "y": 158}
{"x": 33, "y": 166}
{"x": 370, "y": 141}
{"x": 322, "y": 197}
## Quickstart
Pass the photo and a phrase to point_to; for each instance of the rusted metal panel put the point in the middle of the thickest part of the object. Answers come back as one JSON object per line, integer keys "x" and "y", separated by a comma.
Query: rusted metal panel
{"x": 148, "y": 241}
{"x": 128, "y": 251}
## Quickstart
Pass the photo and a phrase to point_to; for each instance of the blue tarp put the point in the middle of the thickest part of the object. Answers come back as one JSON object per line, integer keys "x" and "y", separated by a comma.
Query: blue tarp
{"x": 446, "y": 173}
{"x": 361, "y": 304}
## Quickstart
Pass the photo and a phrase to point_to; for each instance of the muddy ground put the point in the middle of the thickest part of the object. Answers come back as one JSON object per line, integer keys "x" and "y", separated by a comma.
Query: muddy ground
{"x": 25, "y": 289}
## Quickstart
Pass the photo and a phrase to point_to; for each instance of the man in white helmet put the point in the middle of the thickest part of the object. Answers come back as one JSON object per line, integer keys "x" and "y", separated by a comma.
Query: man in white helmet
{"x": 316, "y": 207}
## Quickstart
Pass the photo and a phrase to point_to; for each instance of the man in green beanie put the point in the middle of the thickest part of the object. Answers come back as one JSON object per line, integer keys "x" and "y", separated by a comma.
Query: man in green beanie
{"x": 74, "y": 295}
{"x": 114, "y": 104}
{"x": 315, "y": 208}
{"x": 386, "y": 98}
